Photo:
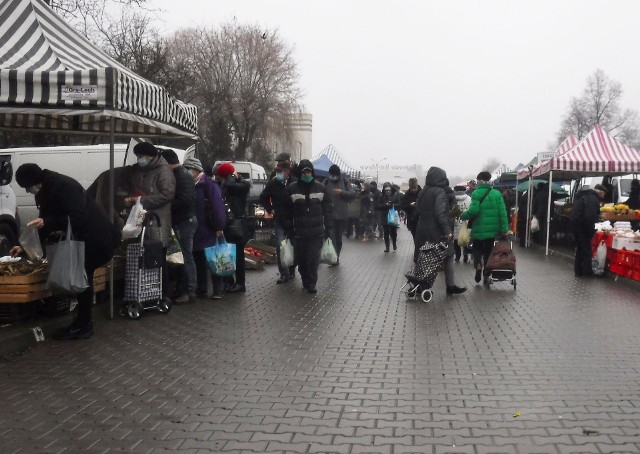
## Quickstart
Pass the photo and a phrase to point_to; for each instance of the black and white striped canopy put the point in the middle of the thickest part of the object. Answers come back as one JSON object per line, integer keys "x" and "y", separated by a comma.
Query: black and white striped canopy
{"x": 52, "y": 78}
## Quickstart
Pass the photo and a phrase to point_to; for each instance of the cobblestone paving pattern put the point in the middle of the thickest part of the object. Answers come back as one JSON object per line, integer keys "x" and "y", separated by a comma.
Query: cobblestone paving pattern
{"x": 552, "y": 367}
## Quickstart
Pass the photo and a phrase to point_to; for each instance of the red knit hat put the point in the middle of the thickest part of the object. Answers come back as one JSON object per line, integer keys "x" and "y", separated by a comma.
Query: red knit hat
{"x": 225, "y": 169}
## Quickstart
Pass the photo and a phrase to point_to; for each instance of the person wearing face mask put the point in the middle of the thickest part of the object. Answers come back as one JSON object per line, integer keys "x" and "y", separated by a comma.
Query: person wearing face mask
{"x": 61, "y": 200}
{"x": 211, "y": 217}
{"x": 152, "y": 180}
{"x": 275, "y": 200}
{"x": 387, "y": 200}
{"x": 312, "y": 222}
{"x": 341, "y": 193}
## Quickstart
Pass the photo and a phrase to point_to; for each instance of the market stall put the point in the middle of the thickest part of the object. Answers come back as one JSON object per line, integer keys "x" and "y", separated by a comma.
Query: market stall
{"x": 53, "y": 79}
{"x": 621, "y": 241}
{"x": 598, "y": 153}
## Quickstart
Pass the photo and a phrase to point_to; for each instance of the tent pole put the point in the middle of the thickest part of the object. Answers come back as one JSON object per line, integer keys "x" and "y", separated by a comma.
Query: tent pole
{"x": 111, "y": 204}
{"x": 548, "y": 226}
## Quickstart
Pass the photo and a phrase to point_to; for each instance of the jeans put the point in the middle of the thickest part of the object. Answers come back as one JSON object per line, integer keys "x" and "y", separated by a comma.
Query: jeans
{"x": 280, "y": 236}
{"x": 187, "y": 279}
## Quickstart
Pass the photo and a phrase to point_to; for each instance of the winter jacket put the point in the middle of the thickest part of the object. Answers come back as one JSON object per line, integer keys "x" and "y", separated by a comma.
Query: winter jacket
{"x": 367, "y": 205}
{"x": 384, "y": 203}
{"x": 206, "y": 188}
{"x": 275, "y": 198}
{"x": 235, "y": 191}
{"x": 355, "y": 205}
{"x": 312, "y": 209}
{"x": 61, "y": 199}
{"x": 433, "y": 208}
{"x": 633, "y": 201}
{"x": 157, "y": 186}
{"x": 409, "y": 209}
{"x": 183, "y": 206}
{"x": 340, "y": 201}
{"x": 463, "y": 201}
{"x": 490, "y": 217}
{"x": 585, "y": 211}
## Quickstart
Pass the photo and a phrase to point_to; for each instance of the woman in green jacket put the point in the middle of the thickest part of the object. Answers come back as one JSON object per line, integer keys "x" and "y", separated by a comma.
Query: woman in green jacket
{"x": 489, "y": 220}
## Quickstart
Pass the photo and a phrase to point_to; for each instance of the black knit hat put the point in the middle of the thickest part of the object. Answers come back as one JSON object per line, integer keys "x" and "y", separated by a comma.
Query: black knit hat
{"x": 145, "y": 148}
{"x": 28, "y": 175}
{"x": 334, "y": 170}
{"x": 170, "y": 156}
{"x": 484, "y": 176}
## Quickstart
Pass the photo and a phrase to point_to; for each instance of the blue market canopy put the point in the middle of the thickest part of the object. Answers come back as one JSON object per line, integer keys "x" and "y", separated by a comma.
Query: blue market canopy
{"x": 330, "y": 156}
{"x": 54, "y": 79}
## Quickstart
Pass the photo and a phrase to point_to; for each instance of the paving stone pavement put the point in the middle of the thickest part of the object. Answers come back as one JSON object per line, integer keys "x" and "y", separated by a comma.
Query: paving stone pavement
{"x": 551, "y": 367}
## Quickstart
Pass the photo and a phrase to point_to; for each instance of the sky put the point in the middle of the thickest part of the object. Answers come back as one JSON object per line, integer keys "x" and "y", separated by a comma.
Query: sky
{"x": 451, "y": 83}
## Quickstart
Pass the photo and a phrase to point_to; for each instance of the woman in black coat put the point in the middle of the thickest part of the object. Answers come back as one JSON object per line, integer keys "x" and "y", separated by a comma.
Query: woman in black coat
{"x": 62, "y": 199}
{"x": 434, "y": 222}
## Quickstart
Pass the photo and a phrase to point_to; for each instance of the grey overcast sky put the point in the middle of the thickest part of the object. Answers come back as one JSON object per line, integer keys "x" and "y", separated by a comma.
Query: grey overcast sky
{"x": 446, "y": 83}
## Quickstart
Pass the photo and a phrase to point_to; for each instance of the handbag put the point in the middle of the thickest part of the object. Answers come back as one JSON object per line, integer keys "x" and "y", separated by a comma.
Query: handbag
{"x": 393, "y": 218}
{"x": 66, "y": 265}
{"x": 234, "y": 229}
{"x": 470, "y": 220}
{"x": 221, "y": 258}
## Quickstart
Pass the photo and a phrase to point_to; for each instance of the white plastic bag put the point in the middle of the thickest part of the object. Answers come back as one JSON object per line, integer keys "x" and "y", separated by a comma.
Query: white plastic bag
{"x": 133, "y": 227}
{"x": 599, "y": 259}
{"x": 328, "y": 253}
{"x": 464, "y": 237}
{"x": 286, "y": 253}
{"x": 535, "y": 225}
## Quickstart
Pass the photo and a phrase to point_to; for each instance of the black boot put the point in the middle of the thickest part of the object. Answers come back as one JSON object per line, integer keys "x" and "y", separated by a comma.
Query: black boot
{"x": 455, "y": 290}
{"x": 394, "y": 245}
{"x": 386, "y": 244}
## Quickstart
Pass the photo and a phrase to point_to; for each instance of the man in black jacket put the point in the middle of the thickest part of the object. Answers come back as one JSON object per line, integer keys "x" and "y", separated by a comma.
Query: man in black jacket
{"x": 185, "y": 224}
{"x": 312, "y": 222}
{"x": 584, "y": 214}
{"x": 275, "y": 200}
{"x": 62, "y": 200}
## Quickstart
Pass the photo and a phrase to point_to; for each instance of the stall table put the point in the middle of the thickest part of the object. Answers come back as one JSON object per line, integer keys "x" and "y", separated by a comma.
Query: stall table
{"x": 622, "y": 262}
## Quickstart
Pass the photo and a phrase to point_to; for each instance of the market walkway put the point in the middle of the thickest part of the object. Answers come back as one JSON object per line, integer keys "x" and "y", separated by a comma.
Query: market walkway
{"x": 552, "y": 367}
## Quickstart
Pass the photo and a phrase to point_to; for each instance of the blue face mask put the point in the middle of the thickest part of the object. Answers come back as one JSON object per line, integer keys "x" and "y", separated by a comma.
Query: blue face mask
{"x": 143, "y": 162}
{"x": 280, "y": 176}
{"x": 334, "y": 178}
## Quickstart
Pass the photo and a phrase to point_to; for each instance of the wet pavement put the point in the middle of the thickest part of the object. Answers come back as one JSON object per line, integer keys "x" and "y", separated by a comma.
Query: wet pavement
{"x": 552, "y": 367}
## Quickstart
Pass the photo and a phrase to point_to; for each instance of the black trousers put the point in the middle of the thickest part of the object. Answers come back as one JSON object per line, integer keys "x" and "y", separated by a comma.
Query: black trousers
{"x": 481, "y": 251}
{"x": 238, "y": 277}
{"x": 582, "y": 263}
{"x": 390, "y": 231}
{"x": 307, "y": 254}
{"x": 339, "y": 226}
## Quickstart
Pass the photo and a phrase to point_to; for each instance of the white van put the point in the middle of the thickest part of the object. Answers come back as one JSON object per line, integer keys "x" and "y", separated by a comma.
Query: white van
{"x": 83, "y": 163}
{"x": 621, "y": 186}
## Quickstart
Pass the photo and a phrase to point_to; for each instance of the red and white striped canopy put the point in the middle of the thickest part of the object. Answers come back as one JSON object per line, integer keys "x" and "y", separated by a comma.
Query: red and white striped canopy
{"x": 597, "y": 153}
{"x": 566, "y": 145}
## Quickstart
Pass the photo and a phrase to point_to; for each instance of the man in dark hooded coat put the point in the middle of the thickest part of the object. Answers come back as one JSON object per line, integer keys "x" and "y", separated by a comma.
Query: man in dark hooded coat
{"x": 434, "y": 222}
{"x": 62, "y": 200}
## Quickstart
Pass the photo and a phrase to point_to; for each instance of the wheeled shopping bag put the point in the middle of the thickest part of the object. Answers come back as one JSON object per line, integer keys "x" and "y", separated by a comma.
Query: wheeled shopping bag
{"x": 421, "y": 277}
{"x": 501, "y": 265}
{"x": 143, "y": 275}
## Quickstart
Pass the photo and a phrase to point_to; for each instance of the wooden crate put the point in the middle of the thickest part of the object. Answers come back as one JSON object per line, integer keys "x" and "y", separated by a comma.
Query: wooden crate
{"x": 32, "y": 287}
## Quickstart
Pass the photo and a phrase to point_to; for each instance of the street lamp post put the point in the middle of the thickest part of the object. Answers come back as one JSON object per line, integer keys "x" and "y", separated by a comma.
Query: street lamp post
{"x": 377, "y": 163}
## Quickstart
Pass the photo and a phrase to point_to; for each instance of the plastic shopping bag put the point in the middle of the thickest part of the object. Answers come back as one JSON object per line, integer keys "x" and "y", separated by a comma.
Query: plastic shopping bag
{"x": 328, "y": 253}
{"x": 599, "y": 259}
{"x": 174, "y": 252}
{"x": 393, "y": 218}
{"x": 535, "y": 225}
{"x": 66, "y": 265}
{"x": 30, "y": 242}
{"x": 464, "y": 237}
{"x": 221, "y": 258}
{"x": 286, "y": 253}
{"x": 133, "y": 227}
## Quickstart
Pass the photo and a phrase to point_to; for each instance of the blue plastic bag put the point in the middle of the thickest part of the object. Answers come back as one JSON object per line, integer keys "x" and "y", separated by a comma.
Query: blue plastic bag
{"x": 221, "y": 258}
{"x": 393, "y": 218}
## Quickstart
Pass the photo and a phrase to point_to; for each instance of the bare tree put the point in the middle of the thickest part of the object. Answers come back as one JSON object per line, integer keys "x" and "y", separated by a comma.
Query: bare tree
{"x": 246, "y": 79}
{"x": 600, "y": 105}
